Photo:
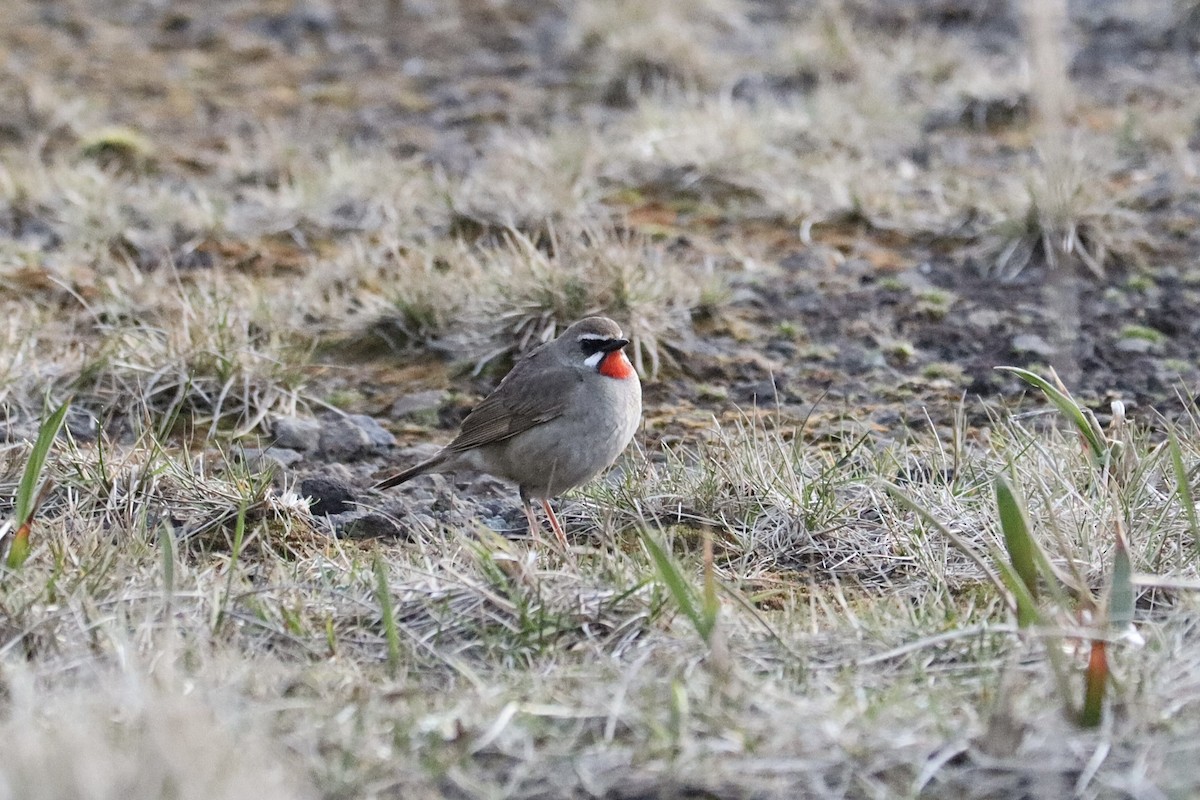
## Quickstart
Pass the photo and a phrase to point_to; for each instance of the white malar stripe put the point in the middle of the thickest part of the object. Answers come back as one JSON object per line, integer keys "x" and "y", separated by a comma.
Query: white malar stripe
{"x": 594, "y": 359}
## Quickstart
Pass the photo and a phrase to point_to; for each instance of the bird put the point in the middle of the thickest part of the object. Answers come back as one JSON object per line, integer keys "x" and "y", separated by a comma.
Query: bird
{"x": 560, "y": 416}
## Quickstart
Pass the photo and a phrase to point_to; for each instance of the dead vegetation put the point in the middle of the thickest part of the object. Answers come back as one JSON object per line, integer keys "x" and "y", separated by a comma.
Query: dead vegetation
{"x": 797, "y": 584}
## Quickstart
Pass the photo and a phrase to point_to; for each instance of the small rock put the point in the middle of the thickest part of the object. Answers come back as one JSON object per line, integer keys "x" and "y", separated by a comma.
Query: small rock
{"x": 914, "y": 281}
{"x": 283, "y": 456}
{"x": 370, "y": 526}
{"x": 497, "y": 524}
{"x": 326, "y": 496}
{"x": 984, "y": 317}
{"x": 277, "y": 457}
{"x": 509, "y": 521}
{"x": 802, "y": 261}
{"x": 381, "y": 438}
{"x": 1032, "y": 343}
{"x": 443, "y": 503}
{"x": 416, "y": 403}
{"x": 295, "y": 433}
{"x": 1135, "y": 344}
{"x": 762, "y": 393}
{"x": 342, "y": 440}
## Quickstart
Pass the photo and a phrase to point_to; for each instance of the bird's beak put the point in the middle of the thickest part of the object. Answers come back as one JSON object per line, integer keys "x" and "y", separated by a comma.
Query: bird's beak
{"x": 612, "y": 345}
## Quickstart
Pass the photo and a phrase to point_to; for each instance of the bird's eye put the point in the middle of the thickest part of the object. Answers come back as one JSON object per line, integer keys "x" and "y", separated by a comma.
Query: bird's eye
{"x": 591, "y": 345}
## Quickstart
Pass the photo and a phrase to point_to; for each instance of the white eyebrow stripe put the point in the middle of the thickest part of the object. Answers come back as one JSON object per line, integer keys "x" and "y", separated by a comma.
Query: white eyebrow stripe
{"x": 593, "y": 337}
{"x": 594, "y": 359}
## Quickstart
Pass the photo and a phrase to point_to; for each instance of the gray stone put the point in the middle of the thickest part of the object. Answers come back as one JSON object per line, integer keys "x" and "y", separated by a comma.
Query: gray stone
{"x": 1032, "y": 343}
{"x": 295, "y": 433}
{"x": 1135, "y": 344}
{"x": 370, "y": 526}
{"x": 277, "y": 457}
{"x": 381, "y": 438}
{"x": 417, "y": 403}
{"x": 984, "y": 317}
{"x": 764, "y": 393}
{"x": 326, "y": 495}
{"x": 342, "y": 440}
{"x": 283, "y": 456}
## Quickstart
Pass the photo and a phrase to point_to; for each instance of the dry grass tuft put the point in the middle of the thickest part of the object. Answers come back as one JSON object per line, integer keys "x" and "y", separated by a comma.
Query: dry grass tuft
{"x": 633, "y": 47}
{"x": 490, "y": 302}
{"x": 128, "y": 734}
{"x": 648, "y": 289}
{"x": 206, "y": 360}
{"x": 530, "y": 182}
{"x": 463, "y": 182}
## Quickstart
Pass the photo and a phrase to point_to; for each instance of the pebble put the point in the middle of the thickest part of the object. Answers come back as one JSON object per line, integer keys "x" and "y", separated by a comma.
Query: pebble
{"x": 342, "y": 440}
{"x": 1032, "y": 343}
{"x": 762, "y": 393}
{"x": 379, "y": 436}
{"x": 296, "y": 433}
{"x": 278, "y": 457}
{"x": 369, "y": 526}
{"x": 326, "y": 495}
{"x": 417, "y": 403}
{"x": 1135, "y": 344}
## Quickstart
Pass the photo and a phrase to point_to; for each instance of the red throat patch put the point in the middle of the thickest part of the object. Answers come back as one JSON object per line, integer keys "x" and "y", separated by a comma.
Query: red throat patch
{"x": 616, "y": 365}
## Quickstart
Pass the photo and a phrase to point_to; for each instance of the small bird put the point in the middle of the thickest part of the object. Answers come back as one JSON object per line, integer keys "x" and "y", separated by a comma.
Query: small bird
{"x": 559, "y": 417}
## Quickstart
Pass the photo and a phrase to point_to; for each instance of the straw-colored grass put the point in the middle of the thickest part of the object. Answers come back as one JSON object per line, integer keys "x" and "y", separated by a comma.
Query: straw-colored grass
{"x": 271, "y": 209}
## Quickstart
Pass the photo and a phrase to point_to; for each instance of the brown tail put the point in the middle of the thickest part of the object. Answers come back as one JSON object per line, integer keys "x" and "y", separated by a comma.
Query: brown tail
{"x": 411, "y": 472}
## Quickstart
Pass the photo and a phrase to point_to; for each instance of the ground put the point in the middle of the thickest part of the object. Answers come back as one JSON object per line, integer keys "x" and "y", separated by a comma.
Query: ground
{"x": 272, "y": 251}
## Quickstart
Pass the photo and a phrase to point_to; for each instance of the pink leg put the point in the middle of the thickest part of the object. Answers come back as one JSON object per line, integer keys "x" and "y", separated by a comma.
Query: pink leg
{"x": 533, "y": 523}
{"x": 558, "y": 531}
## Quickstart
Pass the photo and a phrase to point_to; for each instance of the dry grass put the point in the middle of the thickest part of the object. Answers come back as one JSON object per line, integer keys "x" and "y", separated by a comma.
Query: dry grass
{"x": 185, "y": 625}
{"x": 633, "y": 47}
{"x": 507, "y": 663}
{"x": 134, "y": 733}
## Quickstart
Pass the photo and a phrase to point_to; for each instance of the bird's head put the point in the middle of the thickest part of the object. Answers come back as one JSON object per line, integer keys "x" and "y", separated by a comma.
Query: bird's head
{"x": 596, "y": 343}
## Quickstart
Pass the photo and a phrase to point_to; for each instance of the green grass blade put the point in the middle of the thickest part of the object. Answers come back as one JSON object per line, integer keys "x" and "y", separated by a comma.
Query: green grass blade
{"x": 1069, "y": 408}
{"x": 239, "y": 537}
{"x": 1182, "y": 489}
{"x": 1120, "y": 593}
{"x": 682, "y": 591}
{"x": 1014, "y": 523}
{"x": 166, "y": 542}
{"x": 387, "y": 614}
{"x": 1003, "y": 577}
{"x": 27, "y": 489}
{"x": 32, "y": 489}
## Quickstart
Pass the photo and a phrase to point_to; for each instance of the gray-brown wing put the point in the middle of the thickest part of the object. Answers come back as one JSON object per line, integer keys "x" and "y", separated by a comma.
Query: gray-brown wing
{"x": 515, "y": 406}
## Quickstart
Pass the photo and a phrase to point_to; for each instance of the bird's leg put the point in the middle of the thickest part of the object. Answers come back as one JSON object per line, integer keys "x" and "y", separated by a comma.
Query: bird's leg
{"x": 558, "y": 531}
{"x": 534, "y": 526}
